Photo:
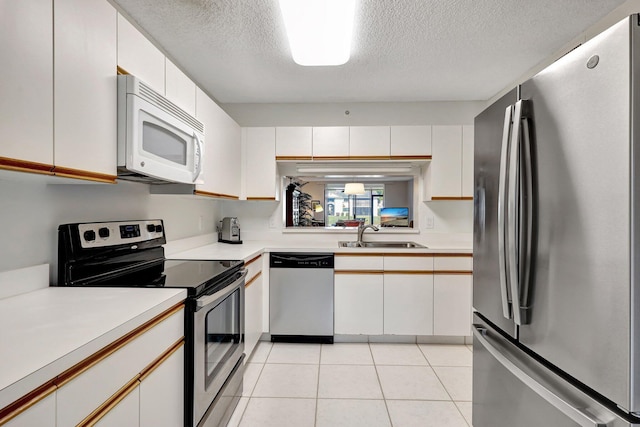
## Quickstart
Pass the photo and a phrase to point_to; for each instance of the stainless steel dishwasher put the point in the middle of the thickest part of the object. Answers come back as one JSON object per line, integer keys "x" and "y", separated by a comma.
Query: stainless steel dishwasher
{"x": 301, "y": 297}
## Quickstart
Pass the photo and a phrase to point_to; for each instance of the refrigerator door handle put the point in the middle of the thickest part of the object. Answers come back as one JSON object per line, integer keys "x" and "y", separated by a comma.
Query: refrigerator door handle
{"x": 577, "y": 415}
{"x": 528, "y": 200}
{"x": 502, "y": 201}
{"x": 513, "y": 204}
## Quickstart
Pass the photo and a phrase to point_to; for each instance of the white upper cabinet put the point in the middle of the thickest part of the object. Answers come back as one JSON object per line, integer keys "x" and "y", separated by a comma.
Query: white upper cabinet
{"x": 85, "y": 137}
{"x": 330, "y": 141}
{"x": 410, "y": 141}
{"x": 294, "y": 143}
{"x": 369, "y": 142}
{"x": 259, "y": 168}
{"x": 179, "y": 88}
{"x": 26, "y": 82}
{"x": 138, "y": 56}
{"x": 450, "y": 174}
{"x": 222, "y": 149}
{"x": 467, "y": 161}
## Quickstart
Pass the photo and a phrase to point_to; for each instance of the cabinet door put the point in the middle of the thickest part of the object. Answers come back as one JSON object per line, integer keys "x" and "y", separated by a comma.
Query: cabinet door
{"x": 330, "y": 142}
{"x": 260, "y": 163}
{"x": 138, "y": 56}
{"x": 253, "y": 313}
{"x": 85, "y": 86}
{"x": 26, "y": 81}
{"x": 162, "y": 394}
{"x": 467, "y": 161}
{"x": 408, "y": 304}
{"x": 179, "y": 88}
{"x": 222, "y": 137}
{"x": 42, "y": 414}
{"x": 369, "y": 141}
{"x": 446, "y": 166}
{"x": 409, "y": 141}
{"x": 294, "y": 143}
{"x": 358, "y": 304}
{"x": 452, "y": 304}
{"x": 125, "y": 413}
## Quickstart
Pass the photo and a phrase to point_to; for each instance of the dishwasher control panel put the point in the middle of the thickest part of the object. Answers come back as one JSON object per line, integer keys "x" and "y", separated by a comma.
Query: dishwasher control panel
{"x": 301, "y": 260}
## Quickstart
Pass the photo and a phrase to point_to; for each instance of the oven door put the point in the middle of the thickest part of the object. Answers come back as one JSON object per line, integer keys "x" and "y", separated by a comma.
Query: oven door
{"x": 218, "y": 341}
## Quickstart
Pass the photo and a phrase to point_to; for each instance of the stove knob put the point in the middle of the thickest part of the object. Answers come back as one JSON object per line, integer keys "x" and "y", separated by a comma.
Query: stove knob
{"x": 151, "y": 228}
{"x": 89, "y": 235}
{"x": 158, "y": 229}
{"x": 103, "y": 232}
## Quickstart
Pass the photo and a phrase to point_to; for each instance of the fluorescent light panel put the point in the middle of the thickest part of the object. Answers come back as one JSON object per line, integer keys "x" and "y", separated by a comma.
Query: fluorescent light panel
{"x": 319, "y": 31}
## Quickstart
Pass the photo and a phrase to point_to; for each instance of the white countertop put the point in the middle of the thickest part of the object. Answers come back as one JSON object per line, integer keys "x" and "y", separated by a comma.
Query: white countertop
{"x": 48, "y": 331}
{"x": 250, "y": 249}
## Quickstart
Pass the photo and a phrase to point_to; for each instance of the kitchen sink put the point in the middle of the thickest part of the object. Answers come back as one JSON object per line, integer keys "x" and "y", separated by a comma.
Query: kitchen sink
{"x": 380, "y": 245}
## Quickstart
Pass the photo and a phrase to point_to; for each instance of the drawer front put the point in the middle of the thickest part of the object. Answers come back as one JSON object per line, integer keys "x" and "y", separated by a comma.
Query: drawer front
{"x": 254, "y": 267}
{"x": 370, "y": 263}
{"x": 413, "y": 263}
{"x": 454, "y": 263}
{"x": 87, "y": 391}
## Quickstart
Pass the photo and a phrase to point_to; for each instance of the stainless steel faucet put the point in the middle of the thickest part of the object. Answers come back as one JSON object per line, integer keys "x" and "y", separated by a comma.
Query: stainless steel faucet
{"x": 361, "y": 229}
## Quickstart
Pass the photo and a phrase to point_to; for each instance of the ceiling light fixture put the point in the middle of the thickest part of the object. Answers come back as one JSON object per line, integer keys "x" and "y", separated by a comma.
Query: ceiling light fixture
{"x": 319, "y": 31}
{"x": 354, "y": 188}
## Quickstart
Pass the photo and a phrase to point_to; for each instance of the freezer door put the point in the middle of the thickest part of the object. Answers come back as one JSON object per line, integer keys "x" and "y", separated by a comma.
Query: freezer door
{"x": 511, "y": 389}
{"x": 491, "y": 296}
{"x": 580, "y": 294}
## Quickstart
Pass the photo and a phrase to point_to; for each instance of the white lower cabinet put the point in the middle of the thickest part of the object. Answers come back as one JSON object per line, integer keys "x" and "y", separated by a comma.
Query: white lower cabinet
{"x": 41, "y": 414}
{"x": 253, "y": 302}
{"x": 125, "y": 413}
{"x": 452, "y": 304}
{"x": 162, "y": 393}
{"x": 358, "y": 301}
{"x": 408, "y": 304}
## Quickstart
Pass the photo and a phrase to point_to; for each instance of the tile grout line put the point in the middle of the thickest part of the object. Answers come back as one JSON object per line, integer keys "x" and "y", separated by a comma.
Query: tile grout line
{"x": 384, "y": 398}
{"x": 254, "y": 385}
{"x": 315, "y": 420}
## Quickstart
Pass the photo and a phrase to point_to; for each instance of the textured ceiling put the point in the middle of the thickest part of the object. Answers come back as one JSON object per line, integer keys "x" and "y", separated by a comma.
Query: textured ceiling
{"x": 403, "y": 50}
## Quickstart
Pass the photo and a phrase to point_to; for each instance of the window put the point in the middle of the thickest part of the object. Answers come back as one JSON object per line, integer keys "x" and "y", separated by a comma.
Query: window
{"x": 348, "y": 210}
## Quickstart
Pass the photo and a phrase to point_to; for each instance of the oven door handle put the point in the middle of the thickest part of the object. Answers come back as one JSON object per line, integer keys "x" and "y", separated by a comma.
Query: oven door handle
{"x": 208, "y": 299}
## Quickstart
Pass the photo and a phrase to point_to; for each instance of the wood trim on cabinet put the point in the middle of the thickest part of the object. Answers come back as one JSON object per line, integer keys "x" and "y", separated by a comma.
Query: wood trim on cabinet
{"x": 25, "y": 166}
{"x": 369, "y": 157}
{"x": 408, "y": 255}
{"x": 270, "y": 199}
{"x": 102, "y": 354}
{"x": 411, "y": 157}
{"x": 436, "y": 198}
{"x": 25, "y": 402}
{"x": 252, "y": 260}
{"x": 253, "y": 279}
{"x": 358, "y": 254}
{"x": 358, "y": 272}
{"x": 285, "y": 158}
{"x": 160, "y": 359}
{"x": 453, "y": 272}
{"x": 121, "y": 71}
{"x": 429, "y": 272}
{"x": 102, "y": 410}
{"x": 84, "y": 175}
{"x": 216, "y": 195}
{"x": 331, "y": 158}
{"x": 453, "y": 255}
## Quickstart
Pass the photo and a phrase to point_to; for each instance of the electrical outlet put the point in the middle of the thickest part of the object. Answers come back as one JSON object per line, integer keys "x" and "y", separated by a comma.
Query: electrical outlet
{"x": 200, "y": 220}
{"x": 429, "y": 221}
{"x": 272, "y": 221}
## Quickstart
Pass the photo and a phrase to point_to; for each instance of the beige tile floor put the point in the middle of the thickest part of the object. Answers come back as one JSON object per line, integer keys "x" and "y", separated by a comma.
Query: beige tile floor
{"x": 333, "y": 385}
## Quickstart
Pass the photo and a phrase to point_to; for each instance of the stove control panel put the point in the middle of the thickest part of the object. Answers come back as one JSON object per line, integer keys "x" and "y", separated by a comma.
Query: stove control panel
{"x": 104, "y": 234}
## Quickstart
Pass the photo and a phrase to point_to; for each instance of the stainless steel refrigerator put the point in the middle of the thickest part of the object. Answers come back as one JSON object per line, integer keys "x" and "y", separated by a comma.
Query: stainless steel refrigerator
{"x": 557, "y": 243}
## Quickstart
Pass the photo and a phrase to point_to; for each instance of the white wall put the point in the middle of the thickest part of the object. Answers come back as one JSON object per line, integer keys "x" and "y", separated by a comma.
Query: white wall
{"x": 31, "y": 210}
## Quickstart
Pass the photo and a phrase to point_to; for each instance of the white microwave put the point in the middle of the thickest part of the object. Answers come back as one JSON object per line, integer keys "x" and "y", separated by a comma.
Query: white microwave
{"x": 158, "y": 142}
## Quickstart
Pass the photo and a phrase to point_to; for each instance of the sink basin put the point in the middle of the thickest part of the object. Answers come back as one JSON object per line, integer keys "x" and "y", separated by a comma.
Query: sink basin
{"x": 380, "y": 245}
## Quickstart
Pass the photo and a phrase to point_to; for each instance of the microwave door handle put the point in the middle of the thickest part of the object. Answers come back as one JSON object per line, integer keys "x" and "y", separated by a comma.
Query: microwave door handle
{"x": 502, "y": 199}
{"x": 197, "y": 157}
